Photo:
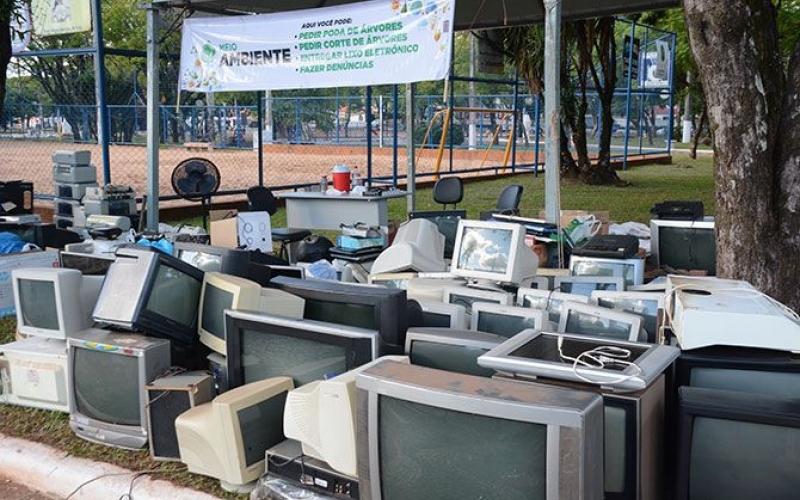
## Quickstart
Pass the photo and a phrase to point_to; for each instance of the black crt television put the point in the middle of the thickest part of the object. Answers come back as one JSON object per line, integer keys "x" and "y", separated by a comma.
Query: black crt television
{"x": 148, "y": 291}
{"x": 261, "y": 346}
{"x": 683, "y": 244}
{"x": 734, "y": 445}
{"x": 451, "y": 349}
{"x": 370, "y": 307}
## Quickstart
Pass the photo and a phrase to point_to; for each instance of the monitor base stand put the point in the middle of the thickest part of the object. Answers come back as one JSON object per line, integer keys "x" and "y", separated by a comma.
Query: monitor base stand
{"x": 491, "y": 286}
{"x": 237, "y": 488}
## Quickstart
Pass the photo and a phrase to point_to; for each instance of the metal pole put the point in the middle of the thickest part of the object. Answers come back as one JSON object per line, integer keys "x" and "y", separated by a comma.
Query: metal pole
{"x": 395, "y": 145}
{"x": 368, "y": 128}
{"x": 103, "y": 132}
{"x": 552, "y": 109}
{"x": 472, "y": 127}
{"x": 513, "y": 137}
{"x": 538, "y": 124}
{"x": 153, "y": 133}
{"x": 260, "y": 136}
{"x": 380, "y": 121}
{"x": 673, "y": 37}
{"x": 410, "y": 178}
{"x": 628, "y": 97}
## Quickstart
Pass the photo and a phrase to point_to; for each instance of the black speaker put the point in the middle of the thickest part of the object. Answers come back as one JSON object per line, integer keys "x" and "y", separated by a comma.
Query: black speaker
{"x": 167, "y": 398}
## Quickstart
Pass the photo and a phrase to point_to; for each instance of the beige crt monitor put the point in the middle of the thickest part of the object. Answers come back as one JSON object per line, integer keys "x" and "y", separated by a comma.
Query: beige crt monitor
{"x": 228, "y": 437}
{"x": 321, "y": 416}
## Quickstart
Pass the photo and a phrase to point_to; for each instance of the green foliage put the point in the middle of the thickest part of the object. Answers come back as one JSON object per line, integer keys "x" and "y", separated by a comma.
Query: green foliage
{"x": 434, "y": 138}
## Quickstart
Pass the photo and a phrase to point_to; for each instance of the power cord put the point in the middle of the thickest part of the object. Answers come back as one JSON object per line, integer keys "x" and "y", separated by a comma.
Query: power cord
{"x": 598, "y": 358}
{"x": 136, "y": 474}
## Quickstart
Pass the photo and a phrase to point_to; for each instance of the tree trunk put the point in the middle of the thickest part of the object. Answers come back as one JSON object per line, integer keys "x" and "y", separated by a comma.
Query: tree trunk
{"x": 5, "y": 53}
{"x": 698, "y": 132}
{"x": 752, "y": 109}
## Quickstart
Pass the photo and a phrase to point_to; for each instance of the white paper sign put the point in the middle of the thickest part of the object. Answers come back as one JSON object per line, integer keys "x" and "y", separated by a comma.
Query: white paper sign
{"x": 366, "y": 43}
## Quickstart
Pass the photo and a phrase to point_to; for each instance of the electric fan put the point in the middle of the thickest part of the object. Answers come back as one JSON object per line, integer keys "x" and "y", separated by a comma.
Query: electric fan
{"x": 196, "y": 179}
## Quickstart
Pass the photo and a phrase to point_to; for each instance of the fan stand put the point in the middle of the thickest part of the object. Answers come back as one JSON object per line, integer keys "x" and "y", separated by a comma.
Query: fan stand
{"x": 205, "y": 200}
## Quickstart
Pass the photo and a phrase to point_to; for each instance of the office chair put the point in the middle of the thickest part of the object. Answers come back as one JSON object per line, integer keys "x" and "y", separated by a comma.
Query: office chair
{"x": 507, "y": 202}
{"x": 261, "y": 199}
{"x": 448, "y": 190}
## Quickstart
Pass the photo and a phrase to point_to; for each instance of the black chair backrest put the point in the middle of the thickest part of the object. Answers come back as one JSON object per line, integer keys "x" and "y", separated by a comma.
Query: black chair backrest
{"x": 508, "y": 202}
{"x": 261, "y": 199}
{"x": 448, "y": 190}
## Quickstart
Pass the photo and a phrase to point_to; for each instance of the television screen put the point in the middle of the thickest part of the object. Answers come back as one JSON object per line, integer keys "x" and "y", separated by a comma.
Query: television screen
{"x": 175, "y": 296}
{"x": 113, "y": 400}
{"x": 687, "y": 248}
{"x": 466, "y": 297}
{"x": 485, "y": 249}
{"x": 450, "y": 357}
{"x": 645, "y": 307}
{"x": 737, "y": 446}
{"x": 216, "y": 300}
{"x": 505, "y": 325}
{"x": 38, "y": 303}
{"x": 597, "y": 326}
{"x": 261, "y": 346}
{"x": 552, "y": 302}
{"x": 585, "y": 285}
{"x": 435, "y": 319}
{"x": 202, "y": 260}
{"x": 424, "y": 448}
{"x": 260, "y": 426}
{"x": 268, "y": 355}
{"x": 360, "y": 315}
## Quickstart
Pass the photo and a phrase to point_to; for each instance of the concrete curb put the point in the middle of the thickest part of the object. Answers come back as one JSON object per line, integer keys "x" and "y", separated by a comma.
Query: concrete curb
{"x": 52, "y": 472}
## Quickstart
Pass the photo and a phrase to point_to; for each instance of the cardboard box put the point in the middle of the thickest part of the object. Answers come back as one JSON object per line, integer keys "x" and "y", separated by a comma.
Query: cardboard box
{"x": 231, "y": 229}
{"x": 11, "y": 261}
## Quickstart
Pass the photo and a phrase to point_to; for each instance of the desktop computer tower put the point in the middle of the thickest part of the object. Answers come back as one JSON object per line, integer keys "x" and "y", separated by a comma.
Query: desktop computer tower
{"x": 168, "y": 397}
{"x": 33, "y": 373}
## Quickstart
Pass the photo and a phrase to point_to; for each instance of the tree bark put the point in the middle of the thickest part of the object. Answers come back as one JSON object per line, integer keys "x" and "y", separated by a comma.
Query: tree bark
{"x": 5, "y": 52}
{"x": 752, "y": 108}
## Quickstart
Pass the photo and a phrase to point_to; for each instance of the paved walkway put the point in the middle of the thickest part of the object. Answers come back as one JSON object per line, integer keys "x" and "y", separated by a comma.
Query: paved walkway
{"x": 14, "y": 491}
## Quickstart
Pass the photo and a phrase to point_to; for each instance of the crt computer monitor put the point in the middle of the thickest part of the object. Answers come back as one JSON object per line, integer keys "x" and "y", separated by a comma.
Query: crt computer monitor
{"x": 261, "y": 346}
{"x": 149, "y": 291}
{"x": 585, "y": 285}
{"x": 228, "y": 437}
{"x": 374, "y": 308}
{"x": 108, "y": 373}
{"x": 321, "y": 416}
{"x": 648, "y": 305}
{"x": 584, "y": 319}
{"x": 467, "y": 297}
{"x": 507, "y": 321}
{"x": 221, "y": 291}
{"x": 451, "y": 349}
{"x": 90, "y": 264}
{"x": 53, "y": 302}
{"x": 735, "y": 445}
{"x": 552, "y": 302}
{"x": 682, "y": 244}
{"x": 211, "y": 258}
{"x": 452, "y": 436}
{"x": 630, "y": 269}
{"x": 443, "y": 315}
{"x": 493, "y": 251}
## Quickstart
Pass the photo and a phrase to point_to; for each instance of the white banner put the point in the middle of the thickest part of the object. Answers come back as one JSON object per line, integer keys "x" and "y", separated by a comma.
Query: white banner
{"x": 365, "y": 43}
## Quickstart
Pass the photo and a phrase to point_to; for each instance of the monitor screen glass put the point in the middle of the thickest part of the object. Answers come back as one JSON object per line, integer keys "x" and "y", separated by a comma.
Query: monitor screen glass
{"x": 175, "y": 296}
{"x": 785, "y": 384}
{"x": 453, "y": 358}
{"x": 590, "y": 324}
{"x": 215, "y": 301}
{"x": 107, "y": 386}
{"x": 504, "y": 324}
{"x": 435, "y": 319}
{"x": 585, "y": 288}
{"x": 485, "y": 249}
{"x": 744, "y": 460}
{"x": 552, "y": 305}
{"x": 647, "y": 309}
{"x": 615, "y": 424}
{"x": 204, "y": 261}
{"x": 37, "y": 300}
{"x": 687, "y": 248}
{"x": 360, "y": 315}
{"x": 481, "y": 457}
{"x": 610, "y": 269}
{"x": 261, "y": 426}
{"x": 266, "y": 355}
{"x": 466, "y": 300}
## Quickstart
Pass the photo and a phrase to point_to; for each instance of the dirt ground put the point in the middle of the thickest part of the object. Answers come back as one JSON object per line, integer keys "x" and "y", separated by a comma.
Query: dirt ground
{"x": 284, "y": 164}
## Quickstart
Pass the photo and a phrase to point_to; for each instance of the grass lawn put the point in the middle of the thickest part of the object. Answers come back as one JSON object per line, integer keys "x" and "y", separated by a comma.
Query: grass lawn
{"x": 685, "y": 179}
